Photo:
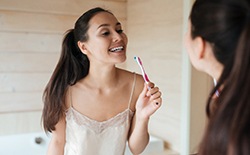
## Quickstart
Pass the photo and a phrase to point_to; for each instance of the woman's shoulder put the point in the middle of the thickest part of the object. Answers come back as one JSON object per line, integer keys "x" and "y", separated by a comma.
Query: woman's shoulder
{"x": 133, "y": 78}
{"x": 131, "y": 75}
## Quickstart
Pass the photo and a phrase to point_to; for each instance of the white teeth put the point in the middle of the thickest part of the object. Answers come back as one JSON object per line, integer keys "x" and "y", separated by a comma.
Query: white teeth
{"x": 116, "y": 49}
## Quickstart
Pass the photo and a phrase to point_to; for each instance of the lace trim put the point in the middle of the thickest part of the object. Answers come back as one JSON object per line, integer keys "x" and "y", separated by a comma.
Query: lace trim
{"x": 96, "y": 126}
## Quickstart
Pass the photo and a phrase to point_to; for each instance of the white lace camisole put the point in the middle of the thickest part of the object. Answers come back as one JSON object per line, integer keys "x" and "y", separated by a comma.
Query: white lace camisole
{"x": 85, "y": 136}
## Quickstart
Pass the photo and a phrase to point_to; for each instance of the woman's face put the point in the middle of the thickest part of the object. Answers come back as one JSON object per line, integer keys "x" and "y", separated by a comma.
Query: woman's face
{"x": 201, "y": 55}
{"x": 190, "y": 45}
{"x": 107, "y": 42}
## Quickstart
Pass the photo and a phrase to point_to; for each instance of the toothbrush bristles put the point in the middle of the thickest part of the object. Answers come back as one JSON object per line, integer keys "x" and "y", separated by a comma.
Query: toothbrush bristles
{"x": 138, "y": 60}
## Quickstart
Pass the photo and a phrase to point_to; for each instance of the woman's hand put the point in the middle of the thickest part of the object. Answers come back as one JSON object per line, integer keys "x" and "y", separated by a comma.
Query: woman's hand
{"x": 148, "y": 101}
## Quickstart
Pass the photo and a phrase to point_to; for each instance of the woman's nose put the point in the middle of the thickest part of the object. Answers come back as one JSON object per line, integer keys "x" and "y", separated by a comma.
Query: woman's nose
{"x": 117, "y": 37}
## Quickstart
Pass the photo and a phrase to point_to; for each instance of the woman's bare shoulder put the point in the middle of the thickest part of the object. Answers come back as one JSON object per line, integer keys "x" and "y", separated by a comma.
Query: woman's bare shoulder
{"x": 138, "y": 87}
{"x": 130, "y": 77}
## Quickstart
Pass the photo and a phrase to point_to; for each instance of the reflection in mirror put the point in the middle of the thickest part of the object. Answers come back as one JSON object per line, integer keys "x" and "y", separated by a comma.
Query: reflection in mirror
{"x": 29, "y": 52}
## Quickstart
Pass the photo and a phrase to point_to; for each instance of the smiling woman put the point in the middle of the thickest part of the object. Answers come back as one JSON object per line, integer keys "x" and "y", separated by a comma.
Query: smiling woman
{"x": 90, "y": 105}
{"x": 105, "y": 31}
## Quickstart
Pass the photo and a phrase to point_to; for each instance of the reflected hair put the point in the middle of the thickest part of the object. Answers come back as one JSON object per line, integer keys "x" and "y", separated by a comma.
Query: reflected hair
{"x": 226, "y": 25}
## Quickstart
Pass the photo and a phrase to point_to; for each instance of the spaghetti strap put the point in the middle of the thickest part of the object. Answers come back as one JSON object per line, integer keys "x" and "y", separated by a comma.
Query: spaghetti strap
{"x": 132, "y": 90}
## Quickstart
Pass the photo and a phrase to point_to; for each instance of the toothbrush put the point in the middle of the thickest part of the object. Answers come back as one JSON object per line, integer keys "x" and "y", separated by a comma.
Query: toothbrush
{"x": 145, "y": 77}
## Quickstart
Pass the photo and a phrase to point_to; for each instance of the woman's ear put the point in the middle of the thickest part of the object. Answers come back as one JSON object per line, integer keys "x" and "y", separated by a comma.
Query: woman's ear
{"x": 82, "y": 47}
{"x": 199, "y": 47}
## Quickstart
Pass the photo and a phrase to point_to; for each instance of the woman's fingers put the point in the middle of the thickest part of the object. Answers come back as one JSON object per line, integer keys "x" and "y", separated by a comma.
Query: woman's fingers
{"x": 152, "y": 91}
{"x": 157, "y": 102}
{"x": 150, "y": 85}
{"x": 156, "y": 97}
{"x": 144, "y": 91}
{"x": 154, "y": 105}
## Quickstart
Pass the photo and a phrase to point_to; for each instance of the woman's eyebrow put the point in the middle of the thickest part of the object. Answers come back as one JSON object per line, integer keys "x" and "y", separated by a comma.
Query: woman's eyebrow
{"x": 104, "y": 25}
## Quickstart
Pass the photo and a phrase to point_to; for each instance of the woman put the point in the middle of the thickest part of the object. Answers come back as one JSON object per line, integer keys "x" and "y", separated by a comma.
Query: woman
{"x": 91, "y": 106}
{"x": 218, "y": 43}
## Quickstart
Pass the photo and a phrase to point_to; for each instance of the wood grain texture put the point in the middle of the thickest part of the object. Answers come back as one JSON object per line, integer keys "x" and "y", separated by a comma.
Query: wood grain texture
{"x": 20, "y": 122}
{"x": 23, "y": 42}
{"x": 23, "y": 82}
{"x": 38, "y": 62}
{"x": 155, "y": 34}
{"x": 32, "y": 22}
{"x": 20, "y": 98}
{"x": 65, "y": 7}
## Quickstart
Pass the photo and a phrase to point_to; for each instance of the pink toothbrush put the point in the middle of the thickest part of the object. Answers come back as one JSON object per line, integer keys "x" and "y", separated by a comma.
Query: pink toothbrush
{"x": 145, "y": 77}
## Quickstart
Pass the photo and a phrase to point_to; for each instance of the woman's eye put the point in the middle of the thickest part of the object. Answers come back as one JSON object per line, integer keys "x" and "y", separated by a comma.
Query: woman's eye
{"x": 105, "y": 33}
{"x": 119, "y": 31}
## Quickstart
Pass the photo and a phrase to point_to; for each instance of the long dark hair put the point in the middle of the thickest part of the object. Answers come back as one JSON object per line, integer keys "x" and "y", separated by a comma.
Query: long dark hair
{"x": 225, "y": 24}
{"x": 73, "y": 65}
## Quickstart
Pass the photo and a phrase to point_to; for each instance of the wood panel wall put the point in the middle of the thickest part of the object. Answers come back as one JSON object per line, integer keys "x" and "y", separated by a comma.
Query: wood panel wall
{"x": 155, "y": 34}
{"x": 156, "y": 29}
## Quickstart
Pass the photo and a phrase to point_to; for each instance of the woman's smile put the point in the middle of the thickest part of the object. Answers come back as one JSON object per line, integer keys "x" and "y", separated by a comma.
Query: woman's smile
{"x": 117, "y": 49}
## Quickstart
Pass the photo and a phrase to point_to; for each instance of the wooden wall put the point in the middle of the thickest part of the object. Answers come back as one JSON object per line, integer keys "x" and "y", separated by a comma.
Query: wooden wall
{"x": 156, "y": 29}
{"x": 155, "y": 34}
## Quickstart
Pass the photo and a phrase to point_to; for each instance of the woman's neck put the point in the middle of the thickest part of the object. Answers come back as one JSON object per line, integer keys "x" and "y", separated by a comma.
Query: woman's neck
{"x": 102, "y": 77}
{"x": 215, "y": 70}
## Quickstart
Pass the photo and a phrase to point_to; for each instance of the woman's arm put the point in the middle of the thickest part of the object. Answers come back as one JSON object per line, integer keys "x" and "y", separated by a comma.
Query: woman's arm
{"x": 56, "y": 145}
{"x": 139, "y": 136}
{"x": 148, "y": 102}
